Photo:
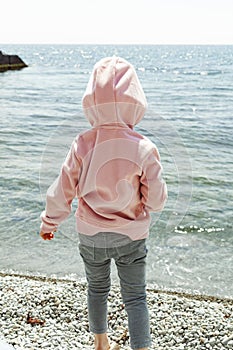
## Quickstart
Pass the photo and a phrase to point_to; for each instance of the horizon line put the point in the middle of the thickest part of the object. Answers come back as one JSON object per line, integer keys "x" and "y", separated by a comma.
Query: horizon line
{"x": 117, "y": 44}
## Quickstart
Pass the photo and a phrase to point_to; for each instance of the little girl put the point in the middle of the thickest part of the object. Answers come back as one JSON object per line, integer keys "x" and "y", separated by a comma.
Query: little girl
{"x": 116, "y": 175}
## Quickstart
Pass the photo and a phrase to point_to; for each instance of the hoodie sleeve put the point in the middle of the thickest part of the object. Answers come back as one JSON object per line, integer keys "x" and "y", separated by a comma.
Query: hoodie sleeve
{"x": 153, "y": 187}
{"x": 61, "y": 193}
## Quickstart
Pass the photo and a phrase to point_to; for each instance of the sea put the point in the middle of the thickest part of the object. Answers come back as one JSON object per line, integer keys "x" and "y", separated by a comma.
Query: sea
{"x": 189, "y": 90}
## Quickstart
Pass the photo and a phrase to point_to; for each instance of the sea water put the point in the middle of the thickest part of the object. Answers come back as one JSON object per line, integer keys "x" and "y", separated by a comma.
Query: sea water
{"x": 190, "y": 111}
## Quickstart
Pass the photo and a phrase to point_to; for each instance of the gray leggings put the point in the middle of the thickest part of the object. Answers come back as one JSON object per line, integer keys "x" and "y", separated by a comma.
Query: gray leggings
{"x": 130, "y": 259}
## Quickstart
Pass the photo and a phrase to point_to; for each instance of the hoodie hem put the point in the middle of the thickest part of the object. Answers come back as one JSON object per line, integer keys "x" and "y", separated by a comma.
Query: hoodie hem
{"x": 135, "y": 232}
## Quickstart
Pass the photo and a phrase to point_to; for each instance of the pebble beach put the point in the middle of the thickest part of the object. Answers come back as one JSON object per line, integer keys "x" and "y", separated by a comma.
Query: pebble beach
{"x": 38, "y": 312}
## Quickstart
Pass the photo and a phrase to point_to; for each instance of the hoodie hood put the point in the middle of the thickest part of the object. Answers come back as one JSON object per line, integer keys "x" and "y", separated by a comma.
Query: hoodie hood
{"x": 114, "y": 94}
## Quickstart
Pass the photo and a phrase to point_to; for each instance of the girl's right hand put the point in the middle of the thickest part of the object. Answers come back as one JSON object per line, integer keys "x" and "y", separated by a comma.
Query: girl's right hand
{"x": 47, "y": 236}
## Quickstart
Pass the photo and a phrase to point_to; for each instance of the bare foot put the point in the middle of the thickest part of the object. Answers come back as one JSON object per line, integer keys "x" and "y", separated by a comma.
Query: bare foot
{"x": 101, "y": 342}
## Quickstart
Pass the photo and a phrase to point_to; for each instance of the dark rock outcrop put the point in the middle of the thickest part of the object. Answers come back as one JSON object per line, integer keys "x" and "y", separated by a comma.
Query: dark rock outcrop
{"x": 10, "y": 62}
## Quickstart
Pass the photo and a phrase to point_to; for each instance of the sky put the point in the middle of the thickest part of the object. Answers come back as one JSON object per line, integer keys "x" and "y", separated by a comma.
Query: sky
{"x": 116, "y": 22}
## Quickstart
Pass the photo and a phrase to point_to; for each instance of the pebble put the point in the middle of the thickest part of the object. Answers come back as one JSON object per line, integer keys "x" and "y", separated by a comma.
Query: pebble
{"x": 178, "y": 321}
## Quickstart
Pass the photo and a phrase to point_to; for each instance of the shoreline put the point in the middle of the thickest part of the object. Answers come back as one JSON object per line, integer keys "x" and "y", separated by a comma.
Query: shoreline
{"x": 150, "y": 288}
{"x": 39, "y": 312}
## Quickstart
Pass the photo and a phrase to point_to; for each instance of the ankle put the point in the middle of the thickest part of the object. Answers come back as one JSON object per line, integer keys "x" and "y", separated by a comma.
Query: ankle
{"x": 101, "y": 342}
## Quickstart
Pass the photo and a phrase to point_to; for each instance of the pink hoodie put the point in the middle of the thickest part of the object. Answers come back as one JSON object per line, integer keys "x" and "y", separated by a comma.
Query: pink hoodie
{"x": 113, "y": 171}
